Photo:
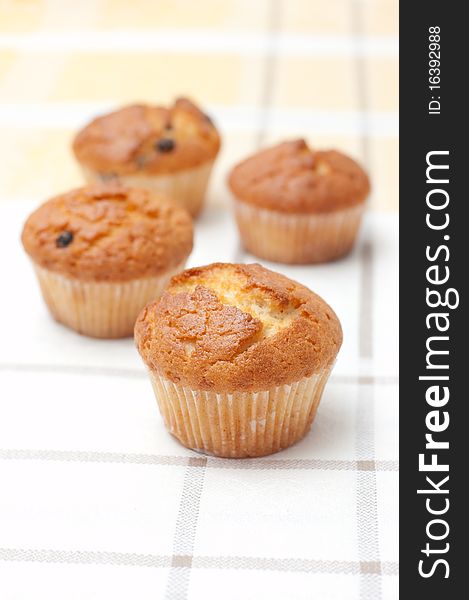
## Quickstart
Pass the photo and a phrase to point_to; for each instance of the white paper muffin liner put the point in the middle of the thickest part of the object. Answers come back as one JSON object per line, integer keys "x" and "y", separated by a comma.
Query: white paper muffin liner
{"x": 297, "y": 239}
{"x": 186, "y": 187}
{"x": 99, "y": 309}
{"x": 239, "y": 424}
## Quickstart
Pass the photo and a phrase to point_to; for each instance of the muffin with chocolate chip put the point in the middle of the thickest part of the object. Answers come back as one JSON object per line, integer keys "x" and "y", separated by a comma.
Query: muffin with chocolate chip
{"x": 238, "y": 357}
{"x": 294, "y": 204}
{"x": 169, "y": 150}
{"x": 102, "y": 252}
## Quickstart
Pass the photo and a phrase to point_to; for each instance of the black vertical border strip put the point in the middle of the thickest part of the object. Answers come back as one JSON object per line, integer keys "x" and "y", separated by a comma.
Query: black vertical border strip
{"x": 421, "y": 133}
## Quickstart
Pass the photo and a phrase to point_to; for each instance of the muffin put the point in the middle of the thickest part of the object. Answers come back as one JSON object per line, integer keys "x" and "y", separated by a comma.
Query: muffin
{"x": 169, "y": 150}
{"x": 297, "y": 205}
{"x": 102, "y": 252}
{"x": 238, "y": 357}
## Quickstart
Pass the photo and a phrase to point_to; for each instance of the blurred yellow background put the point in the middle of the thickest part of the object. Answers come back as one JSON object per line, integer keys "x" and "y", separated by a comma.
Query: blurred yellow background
{"x": 268, "y": 70}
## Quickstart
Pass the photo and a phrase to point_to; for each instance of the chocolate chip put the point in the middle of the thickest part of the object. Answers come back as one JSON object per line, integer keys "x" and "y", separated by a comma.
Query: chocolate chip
{"x": 64, "y": 239}
{"x": 165, "y": 145}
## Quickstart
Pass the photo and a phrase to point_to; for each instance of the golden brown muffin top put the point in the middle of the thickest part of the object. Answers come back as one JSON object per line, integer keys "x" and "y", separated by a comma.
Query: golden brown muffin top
{"x": 148, "y": 140}
{"x": 108, "y": 233}
{"x": 293, "y": 178}
{"x": 232, "y": 327}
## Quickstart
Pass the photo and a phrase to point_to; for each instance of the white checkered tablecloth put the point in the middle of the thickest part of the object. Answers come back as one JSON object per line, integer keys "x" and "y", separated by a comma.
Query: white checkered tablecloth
{"x": 97, "y": 500}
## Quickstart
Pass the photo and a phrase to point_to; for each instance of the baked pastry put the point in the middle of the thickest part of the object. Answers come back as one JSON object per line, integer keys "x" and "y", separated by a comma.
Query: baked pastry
{"x": 102, "y": 252}
{"x": 238, "y": 357}
{"x": 298, "y": 205}
{"x": 169, "y": 150}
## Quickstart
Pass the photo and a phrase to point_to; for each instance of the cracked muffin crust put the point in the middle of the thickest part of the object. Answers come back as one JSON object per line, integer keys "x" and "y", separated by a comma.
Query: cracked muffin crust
{"x": 232, "y": 327}
{"x": 108, "y": 233}
{"x": 148, "y": 140}
{"x": 293, "y": 178}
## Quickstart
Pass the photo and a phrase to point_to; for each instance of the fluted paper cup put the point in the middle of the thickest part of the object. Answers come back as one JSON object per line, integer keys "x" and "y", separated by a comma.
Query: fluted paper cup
{"x": 96, "y": 308}
{"x": 294, "y": 238}
{"x": 186, "y": 187}
{"x": 240, "y": 424}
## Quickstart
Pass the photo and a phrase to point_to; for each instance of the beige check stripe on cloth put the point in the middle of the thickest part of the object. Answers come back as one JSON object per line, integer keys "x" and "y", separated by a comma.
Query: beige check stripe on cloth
{"x": 96, "y": 499}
